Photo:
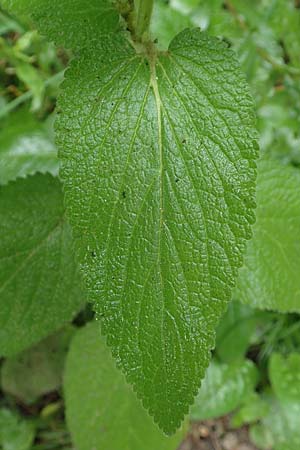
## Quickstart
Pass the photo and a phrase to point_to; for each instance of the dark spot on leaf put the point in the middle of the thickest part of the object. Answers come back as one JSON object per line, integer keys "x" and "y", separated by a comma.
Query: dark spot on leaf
{"x": 227, "y": 42}
{"x": 93, "y": 254}
{"x": 124, "y": 194}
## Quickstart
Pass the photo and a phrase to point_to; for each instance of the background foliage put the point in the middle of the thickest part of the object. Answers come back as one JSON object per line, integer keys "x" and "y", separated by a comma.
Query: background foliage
{"x": 254, "y": 374}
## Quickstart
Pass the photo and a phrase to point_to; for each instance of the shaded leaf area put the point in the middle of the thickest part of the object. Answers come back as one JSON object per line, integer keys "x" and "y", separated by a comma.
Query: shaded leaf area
{"x": 269, "y": 278}
{"x": 31, "y": 396}
{"x": 39, "y": 283}
{"x": 37, "y": 371}
{"x": 235, "y": 332}
{"x": 102, "y": 410}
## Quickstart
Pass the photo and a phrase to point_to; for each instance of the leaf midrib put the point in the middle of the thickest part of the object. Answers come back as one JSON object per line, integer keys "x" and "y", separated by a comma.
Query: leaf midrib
{"x": 158, "y": 103}
{"x": 159, "y": 106}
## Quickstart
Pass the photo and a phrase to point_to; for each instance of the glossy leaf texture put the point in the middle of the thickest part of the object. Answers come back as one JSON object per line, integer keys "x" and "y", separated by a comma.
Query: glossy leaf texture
{"x": 40, "y": 286}
{"x": 158, "y": 163}
{"x": 97, "y": 398}
{"x": 269, "y": 278}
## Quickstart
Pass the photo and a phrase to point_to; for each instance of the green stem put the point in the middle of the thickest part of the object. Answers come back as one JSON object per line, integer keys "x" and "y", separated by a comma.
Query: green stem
{"x": 143, "y": 10}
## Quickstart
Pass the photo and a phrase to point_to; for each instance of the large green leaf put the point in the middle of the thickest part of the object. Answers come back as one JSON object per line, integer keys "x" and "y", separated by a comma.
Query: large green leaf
{"x": 224, "y": 388}
{"x": 269, "y": 278}
{"x": 161, "y": 231}
{"x": 26, "y": 147}
{"x": 39, "y": 284}
{"x": 157, "y": 154}
{"x": 102, "y": 411}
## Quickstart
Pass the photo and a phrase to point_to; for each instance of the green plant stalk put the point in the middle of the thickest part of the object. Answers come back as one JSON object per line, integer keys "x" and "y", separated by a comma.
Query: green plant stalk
{"x": 143, "y": 9}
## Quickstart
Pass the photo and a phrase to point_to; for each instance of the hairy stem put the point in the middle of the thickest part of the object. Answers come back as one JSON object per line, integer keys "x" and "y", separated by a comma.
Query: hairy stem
{"x": 143, "y": 10}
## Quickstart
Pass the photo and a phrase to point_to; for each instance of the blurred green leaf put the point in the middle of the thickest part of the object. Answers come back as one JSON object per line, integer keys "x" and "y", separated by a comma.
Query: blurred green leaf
{"x": 26, "y": 147}
{"x": 269, "y": 278}
{"x": 102, "y": 410}
{"x": 285, "y": 377}
{"x": 39, "y": 281}
{"x": 235, "y": 331}
{"x": 15, "y": 433}
{"x": 280, "y": 427}
{"x": 284, "y": 18}
{"x": 166, "y": 23}
{"x": 184, "y": 6}
{"x": 261, "y": 436}
{"x": 224, "y": 388}
{"x": 34, "y": 82}
{"x": 37, "y": 371}
{"x": 7, "y": 24}
{"x": 252, "y": 409}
